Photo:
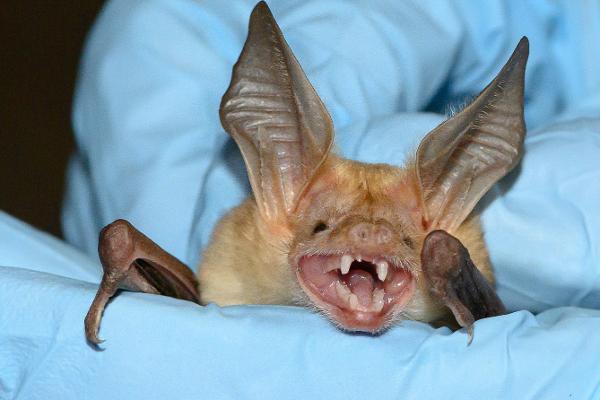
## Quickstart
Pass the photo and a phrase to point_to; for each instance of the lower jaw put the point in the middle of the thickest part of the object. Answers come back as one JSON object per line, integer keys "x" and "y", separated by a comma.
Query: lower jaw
{"x": 356, "y": 321}
{"x": 359, "y": 321}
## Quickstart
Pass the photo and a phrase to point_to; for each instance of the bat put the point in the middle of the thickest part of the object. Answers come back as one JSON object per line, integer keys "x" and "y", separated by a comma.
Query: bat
{"x": 367, "y": 245}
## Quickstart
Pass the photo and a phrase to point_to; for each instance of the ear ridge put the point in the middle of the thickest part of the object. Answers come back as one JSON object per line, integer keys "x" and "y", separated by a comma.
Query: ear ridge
{"x": 276, "y": 117}
{"x": 462, "y": 158}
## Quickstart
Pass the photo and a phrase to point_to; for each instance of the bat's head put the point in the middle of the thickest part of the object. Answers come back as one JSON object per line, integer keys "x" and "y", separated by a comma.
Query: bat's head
{"x": 357, "y": 237}
{"x": 352, "y": 233}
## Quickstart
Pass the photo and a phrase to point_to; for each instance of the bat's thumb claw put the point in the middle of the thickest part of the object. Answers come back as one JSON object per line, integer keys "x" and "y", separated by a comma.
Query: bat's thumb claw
{"x": 94, "y": 315}
{"x": 470, "y": 333}
{"x": 92, "y": 324}
{"x": 94, "y": 339}
{"x": 91, "y": 334}
{"x": 95, "y": 343}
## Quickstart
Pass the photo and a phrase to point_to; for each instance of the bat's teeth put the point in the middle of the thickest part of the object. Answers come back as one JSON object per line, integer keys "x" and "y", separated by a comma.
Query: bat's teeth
{"x": 343, "y": 292}
{"x": 377, "y": 304}
{"x": 382, "y": 270}
{"x": 349, "y": 298}
{"x": 345, "y": 263}
{"x": 353, "y": 301}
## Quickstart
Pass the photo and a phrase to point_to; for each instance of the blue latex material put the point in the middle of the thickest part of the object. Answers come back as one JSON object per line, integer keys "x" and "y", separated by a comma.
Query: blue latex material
{"x": 151, "y": 150}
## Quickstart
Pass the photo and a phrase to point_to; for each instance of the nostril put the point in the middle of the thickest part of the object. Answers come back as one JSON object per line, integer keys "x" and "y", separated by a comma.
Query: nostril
{"x": 383, "y": 235}
{"x": 376, "y": 234}
{"x": 361, "y": 232}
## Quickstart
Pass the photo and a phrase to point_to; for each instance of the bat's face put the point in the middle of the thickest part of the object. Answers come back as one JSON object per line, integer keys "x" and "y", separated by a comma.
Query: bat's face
{"x": 357, "y": 230}
{"x": 357, "y": 242}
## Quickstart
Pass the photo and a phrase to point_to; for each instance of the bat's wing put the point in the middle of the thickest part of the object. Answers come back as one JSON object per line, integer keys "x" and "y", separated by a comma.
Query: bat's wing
{"x": 132, "y": 261}
{"x": 456, "y": 282}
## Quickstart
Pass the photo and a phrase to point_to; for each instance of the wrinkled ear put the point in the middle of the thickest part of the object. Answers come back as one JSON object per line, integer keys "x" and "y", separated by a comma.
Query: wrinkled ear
{"x": 276, "y": 118}
{"x": 462, "y": 158}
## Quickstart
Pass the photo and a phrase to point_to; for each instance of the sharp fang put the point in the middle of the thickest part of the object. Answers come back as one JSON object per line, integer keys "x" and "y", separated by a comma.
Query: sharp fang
{"x": 353, "y": 301}
{"x": 382, "y": 270}
{"x": 345, "y": 263}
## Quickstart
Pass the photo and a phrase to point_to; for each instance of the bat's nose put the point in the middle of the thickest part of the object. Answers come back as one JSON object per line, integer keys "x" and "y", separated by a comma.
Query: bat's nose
{"x": 370, "y": 234}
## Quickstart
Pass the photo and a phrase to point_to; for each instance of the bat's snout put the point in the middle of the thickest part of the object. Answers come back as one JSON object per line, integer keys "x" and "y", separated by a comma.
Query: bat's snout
{"x": 369, "y": 234}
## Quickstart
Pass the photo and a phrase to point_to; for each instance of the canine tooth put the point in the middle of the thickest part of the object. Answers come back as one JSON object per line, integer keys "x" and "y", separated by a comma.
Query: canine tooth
{"x": 377, "y": 304}
{"x": 382, "y": 270}
{"x": 345, "y": 263}
{"x": 353, "y": 301}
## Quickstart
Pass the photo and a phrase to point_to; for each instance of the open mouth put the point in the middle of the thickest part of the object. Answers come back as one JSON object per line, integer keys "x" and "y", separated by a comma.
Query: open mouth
{"x": 360, "y": 292}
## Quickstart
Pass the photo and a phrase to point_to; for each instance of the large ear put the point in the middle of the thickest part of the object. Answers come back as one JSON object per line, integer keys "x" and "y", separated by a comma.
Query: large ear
{"x": 276, "y": 118}
{"x": 462, "y": 158}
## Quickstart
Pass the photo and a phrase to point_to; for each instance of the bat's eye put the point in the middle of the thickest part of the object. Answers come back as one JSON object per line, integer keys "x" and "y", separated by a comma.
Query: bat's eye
{"x": 408, "y": 241}
{"x": 320, "y": 227}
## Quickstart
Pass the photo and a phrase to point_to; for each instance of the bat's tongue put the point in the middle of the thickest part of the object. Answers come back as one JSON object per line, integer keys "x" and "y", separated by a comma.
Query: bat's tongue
{"x": 362, "y": 284}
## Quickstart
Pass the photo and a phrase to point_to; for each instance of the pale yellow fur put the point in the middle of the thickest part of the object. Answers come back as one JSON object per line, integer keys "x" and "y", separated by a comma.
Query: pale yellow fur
{"x": 247, "y": 260}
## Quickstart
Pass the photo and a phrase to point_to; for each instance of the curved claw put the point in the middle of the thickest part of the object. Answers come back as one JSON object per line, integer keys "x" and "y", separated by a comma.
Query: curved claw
{"x": 94, "y": 314}
{"x": 92, "y": 325}
{"x": 470, "y": 333}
